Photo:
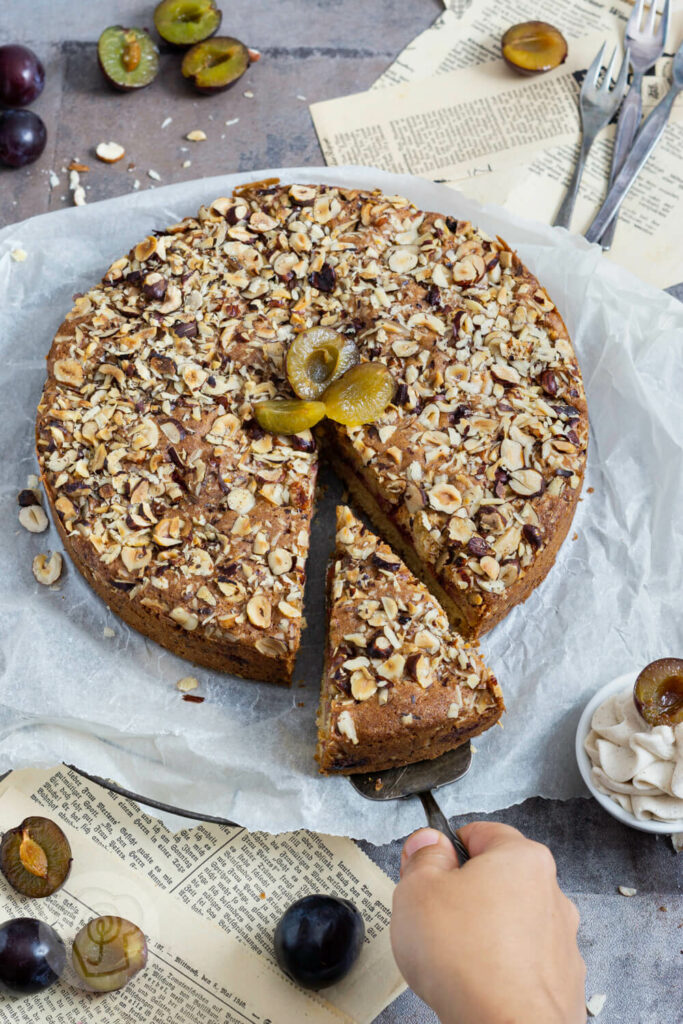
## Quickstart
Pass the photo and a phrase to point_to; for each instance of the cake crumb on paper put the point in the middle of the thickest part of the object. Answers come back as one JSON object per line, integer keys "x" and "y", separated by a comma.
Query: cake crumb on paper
{"x": 108, "y": 632}
{"x": 595, "y": 1004}
{"x": 626, "y": 890}
{"x": 186, "y": 163}
{"x": 18, "y": 255}
{"x": 187, "y": 683}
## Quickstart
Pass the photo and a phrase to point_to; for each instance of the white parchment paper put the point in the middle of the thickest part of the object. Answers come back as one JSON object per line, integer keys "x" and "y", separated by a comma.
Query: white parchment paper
{"x": 612, "y": 602}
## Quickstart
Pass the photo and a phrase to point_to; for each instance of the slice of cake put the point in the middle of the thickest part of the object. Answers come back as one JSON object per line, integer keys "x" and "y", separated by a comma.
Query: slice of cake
{"x": 399, "y": 685}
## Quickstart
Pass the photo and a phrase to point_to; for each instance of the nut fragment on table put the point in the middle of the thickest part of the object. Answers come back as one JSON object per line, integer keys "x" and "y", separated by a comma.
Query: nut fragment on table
{"x": 595, "y": 1004}
{"x": 109, "y": 152}
{"x": 33, "y": 518}
{"x": 626, "y": 890}
{"x": 47, "y": 568}
{"x": 197, "y": 135}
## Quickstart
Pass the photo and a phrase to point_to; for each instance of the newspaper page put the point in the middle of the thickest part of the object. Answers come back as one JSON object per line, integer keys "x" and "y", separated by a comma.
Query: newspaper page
{"x": 471, "y": 121}
{"x": 460, "y": 39}
{"x": 194, "y": 972}
{"x": 240, "y": 881}
{"x": 526, "y": 130}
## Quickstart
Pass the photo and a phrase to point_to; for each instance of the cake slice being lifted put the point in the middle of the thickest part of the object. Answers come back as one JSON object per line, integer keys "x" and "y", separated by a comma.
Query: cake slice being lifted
{"x": 399, "y": 685}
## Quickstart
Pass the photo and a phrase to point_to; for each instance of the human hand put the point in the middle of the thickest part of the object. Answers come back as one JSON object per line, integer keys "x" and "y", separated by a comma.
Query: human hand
{"x": 493, "y": 941}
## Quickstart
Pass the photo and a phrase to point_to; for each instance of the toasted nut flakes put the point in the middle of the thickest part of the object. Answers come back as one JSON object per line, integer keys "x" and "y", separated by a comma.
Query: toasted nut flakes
{"x": 33, "y": 518}
{"x": 363, "y": 684}
{"x": 167, "y": 532}
{"x": 47, "y": 568}
{"x": 444, "y": 498}
{"x": 490, "y": 567}
{"x": 346, "y": 726}
{"x": 280, "y": 561}
{"x": 426, "y": 641}
{"x": 259, "y": 611}
{"x": 68, "y": 371}
{"x": 392, "y": 668}
{"x": 188, "y": 620}
{"x": 419, "y": 667}
{"x": 241, "y": 500}
{"x": 135, "y": 558}
{"x": 527, "y": 482}
{"x": 289, "y": 610}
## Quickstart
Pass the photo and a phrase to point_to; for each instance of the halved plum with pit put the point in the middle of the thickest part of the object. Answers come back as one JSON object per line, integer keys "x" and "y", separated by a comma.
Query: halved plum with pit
{"x": 186, "y": 22}
{"x": 128, "y": 57}
{"x": 215, "y": 64}
{"x": 658, "y": 693}
{"x": 35, "y": 857}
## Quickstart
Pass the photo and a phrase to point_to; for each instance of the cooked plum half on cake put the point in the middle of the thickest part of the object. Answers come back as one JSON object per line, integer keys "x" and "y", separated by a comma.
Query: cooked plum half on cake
{"x": 399, "y": 685}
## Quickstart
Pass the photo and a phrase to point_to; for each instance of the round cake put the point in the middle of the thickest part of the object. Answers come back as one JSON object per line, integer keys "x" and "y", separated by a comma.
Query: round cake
{"x": 193, "y": 524}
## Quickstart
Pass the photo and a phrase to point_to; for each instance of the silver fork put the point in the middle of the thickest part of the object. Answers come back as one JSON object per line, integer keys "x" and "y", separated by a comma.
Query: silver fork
{"x": 597, "y": 106}
{"x": 645, "y": 46}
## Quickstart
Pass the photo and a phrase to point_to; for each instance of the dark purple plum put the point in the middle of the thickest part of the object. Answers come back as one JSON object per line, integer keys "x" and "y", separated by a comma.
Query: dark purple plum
{"x": 22, "y": 137}
{"x": 22, "y": 76}
{"x": 32, "y": 956}
{"x": 318, "y": 940}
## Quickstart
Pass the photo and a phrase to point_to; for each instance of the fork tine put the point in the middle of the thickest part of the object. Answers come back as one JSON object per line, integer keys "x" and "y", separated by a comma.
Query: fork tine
{"x": 637, "y": 15}
{"x": 651, "y": 19}
{"x": 591, "y": 78}
{"x": 620, "y": 85}
{"x": 609, "y": 74}
{"x": 663, "y": 27}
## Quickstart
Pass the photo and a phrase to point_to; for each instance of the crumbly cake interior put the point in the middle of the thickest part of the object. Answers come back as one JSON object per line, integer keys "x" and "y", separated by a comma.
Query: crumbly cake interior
{"x": 194, "y": 525}
{"x": 399, "y": 685}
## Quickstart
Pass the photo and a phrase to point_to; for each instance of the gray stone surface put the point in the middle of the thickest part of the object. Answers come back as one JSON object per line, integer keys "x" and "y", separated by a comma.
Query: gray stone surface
{"x": 318, "y": 49}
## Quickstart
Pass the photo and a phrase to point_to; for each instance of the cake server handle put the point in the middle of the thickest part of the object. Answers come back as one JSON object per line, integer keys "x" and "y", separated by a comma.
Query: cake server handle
{"x": 438, "y": 820}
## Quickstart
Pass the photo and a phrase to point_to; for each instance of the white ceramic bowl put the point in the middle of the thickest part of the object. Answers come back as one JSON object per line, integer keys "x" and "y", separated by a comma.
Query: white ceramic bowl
{"x": 624, "y": 682}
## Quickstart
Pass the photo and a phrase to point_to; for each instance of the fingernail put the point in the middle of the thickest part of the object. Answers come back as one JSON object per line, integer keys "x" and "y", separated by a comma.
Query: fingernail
{"x": 418, "y": 840}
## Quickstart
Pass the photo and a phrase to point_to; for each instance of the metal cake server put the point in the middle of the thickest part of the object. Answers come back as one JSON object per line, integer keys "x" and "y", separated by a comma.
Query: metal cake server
{"x": 420, "y": 779}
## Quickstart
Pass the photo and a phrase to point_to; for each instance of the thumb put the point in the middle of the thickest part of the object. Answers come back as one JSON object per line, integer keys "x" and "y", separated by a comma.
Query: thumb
{"x": 483, "y": 836}
{"x": 427, "y": 849}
